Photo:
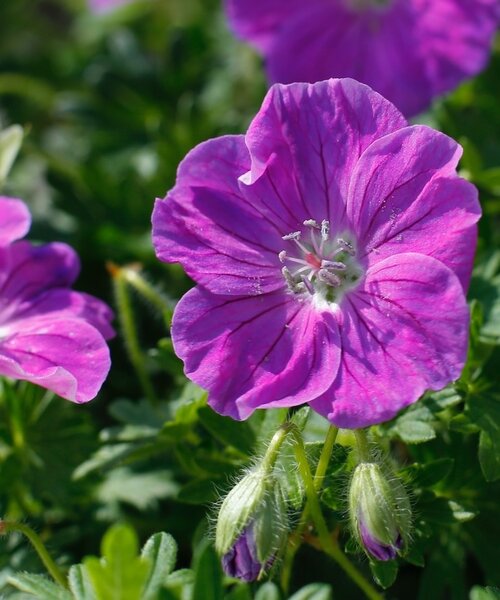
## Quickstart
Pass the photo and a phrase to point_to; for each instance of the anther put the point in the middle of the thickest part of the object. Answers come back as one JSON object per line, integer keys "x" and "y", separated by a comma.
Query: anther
{"x": 346, "y": 246}
{"x": 331, "y": 264}
{"x": 325, "y": 229}
{"x": 311, "y": 223}
{"x": 282, "y": 256}
{"x": 295, "y": 235}
{"x": 329, "y": 278}
{"x": 293, "y": 285}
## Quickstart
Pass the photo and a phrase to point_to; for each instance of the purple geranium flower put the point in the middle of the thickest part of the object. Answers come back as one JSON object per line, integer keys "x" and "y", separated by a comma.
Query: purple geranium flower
{"x": 241, "y": 559}
{"x": 331, "y": 246}
{"x": 49, "y": 334}
{"x": 408, "y": 50}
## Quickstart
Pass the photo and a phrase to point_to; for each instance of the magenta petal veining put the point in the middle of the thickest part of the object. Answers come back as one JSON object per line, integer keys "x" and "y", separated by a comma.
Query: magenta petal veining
{"x": 313, "y": 241}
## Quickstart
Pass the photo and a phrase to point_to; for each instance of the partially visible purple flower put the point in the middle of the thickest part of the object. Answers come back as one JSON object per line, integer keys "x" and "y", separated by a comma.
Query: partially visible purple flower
{"x": 332, "y": 246}
{"x": 49, "y": 334}
{"x": 241, "y": 559}
{"x": 408, "y": 50}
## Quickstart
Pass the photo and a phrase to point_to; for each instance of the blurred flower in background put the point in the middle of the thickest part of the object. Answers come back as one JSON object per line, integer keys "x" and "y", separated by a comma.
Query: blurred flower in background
{"x": 49, "y": 334}
{"x": 408, "y": 50}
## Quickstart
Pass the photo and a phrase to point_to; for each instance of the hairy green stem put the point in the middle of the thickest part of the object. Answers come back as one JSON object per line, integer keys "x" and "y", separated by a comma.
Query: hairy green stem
{"x": 133, "y": 276}
{"x": 327, "y": 542}
{"x": 129, "y": 330}
{"x": 38, "y": 545}
{"x": 362, "y": 444}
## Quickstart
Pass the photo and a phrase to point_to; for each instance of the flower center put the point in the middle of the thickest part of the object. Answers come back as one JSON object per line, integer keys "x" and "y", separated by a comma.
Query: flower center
{"x": 320, "y": 265}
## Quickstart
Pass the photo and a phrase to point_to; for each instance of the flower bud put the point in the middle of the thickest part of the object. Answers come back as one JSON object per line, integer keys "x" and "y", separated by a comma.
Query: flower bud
{"x": 380, "y": 512}
{"x": 251, "y": 526}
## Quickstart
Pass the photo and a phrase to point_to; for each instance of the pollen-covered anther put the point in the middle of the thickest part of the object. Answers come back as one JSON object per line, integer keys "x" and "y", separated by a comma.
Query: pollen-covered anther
{"x": 325, "y": 230}
{"x": 282, "y": 256}
{"x": 312, "y": 223}
{"x": 329, "y": 278}
{"x": 331, "y": 264}
{"x": 295, "y": 235}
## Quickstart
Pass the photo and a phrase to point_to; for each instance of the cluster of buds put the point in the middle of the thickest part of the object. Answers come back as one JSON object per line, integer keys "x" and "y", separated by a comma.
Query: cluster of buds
{"x": 379, "y": 511}
{"x": 252, "y": 525}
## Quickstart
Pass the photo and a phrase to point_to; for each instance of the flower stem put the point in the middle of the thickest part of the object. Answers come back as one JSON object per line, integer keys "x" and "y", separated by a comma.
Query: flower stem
{"x": 295, "y": 539}
{"x": 325, "y": 456}
{"x": 362, "y": 444}
{"x": 328, "y": 544}
{"x": 38, "y": 545}
{"x": 274, "y": 447}
{"x": 131, "y": 273}
{"x": 129, "y": 330}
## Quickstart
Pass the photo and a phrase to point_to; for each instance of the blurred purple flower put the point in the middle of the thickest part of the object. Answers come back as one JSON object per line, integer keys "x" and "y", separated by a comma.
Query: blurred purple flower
{"x": 101, "y": 6}
{"x": 331, "y": 246}
{"x": 49, "y": 334}
{"x": 408, "y": 50}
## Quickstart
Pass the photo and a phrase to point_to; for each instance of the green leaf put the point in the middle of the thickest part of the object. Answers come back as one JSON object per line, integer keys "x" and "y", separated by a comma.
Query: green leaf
{"x": 39, "y": 586}
{"x": 161, "y": 553}
{"x": 239, "y": 592}
{"x": 208, "y": 575}
{"x": 414, "y": 425}
{"x": 485, "y": 412}
{"x": 120, "y": 574}
{"x": 484, "y": 593}
{"x": 79, "y": 583}
{"x": 142, "y": 490}
{"x": 489, "y": 457}
{"x": 428, "y": 474}
{"x": 313, "y": 591}
{"x": 239, "y": 435}
{"x": 10, "y": 142}
{"x": 269, "y": 591}
{"x": 384, "y": 573}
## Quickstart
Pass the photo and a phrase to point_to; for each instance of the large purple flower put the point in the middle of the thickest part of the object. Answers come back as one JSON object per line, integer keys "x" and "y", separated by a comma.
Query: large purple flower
{"x": 49, "y": 334}
{"x": 331, "y": 246}
{"x": 408, "y": 50}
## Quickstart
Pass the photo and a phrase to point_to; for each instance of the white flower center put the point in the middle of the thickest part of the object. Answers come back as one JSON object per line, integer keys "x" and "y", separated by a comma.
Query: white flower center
{"x": 320, "y": 265}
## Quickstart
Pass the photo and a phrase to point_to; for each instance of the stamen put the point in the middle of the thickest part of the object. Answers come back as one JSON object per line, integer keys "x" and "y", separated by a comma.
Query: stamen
{"x": 331, "y": 264}
{"x": 329, "y": 278}
{"x": 293, "y": 285}
{"x": 325, "y": 229}
{"x": 311, "y": 223}
{"x": 282, "y": 256}
{"x": 346, "y": 246}
{"x": 295, "y": 235}
{"x": 308, "y": 283}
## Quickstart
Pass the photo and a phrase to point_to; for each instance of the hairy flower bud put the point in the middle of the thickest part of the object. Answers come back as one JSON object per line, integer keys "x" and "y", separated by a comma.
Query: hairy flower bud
{"x": 251, "y": 526}
{"x": 380, "y": 512}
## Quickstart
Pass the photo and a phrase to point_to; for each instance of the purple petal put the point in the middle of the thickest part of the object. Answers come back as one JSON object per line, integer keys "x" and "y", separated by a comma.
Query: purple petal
{"x": 403, "y": 332}
{"x": 241, "y": 560}
{"x": 307, "y": 140}
{"x": 67, "y": 356}
{"x": 258, "y": 20}
{"x": 15, "y": 220}
{"x": 405, "y": 197}
{"x": 27, "y": 270}
{"x": 375, "y": 547}
{"x": 64, "y": 303}
{"x": 208, "y": 225}
{"x": 252, "y": 353}
{"x": 406, "y": 51}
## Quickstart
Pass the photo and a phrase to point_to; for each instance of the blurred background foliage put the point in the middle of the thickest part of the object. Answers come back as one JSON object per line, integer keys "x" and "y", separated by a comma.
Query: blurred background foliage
{"x": 110, "y": 104}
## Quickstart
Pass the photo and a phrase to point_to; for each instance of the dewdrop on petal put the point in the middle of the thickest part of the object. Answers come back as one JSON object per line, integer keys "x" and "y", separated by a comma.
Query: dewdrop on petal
{"x": 379, "y": 511}
{"x": 251, "y": 526}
